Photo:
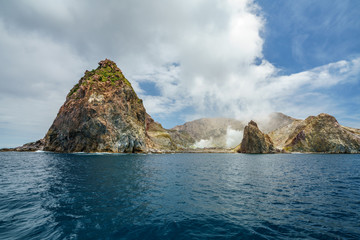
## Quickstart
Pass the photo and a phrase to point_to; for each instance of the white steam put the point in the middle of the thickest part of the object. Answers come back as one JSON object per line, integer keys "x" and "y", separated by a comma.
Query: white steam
{"x": 204, "y": 143}
{"x": 233, "y": 137}
{"x": 230, "y": 140}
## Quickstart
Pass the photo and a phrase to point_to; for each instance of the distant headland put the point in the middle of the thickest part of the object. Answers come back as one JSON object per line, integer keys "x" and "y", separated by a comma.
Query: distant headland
{"x": 102, "y": 113}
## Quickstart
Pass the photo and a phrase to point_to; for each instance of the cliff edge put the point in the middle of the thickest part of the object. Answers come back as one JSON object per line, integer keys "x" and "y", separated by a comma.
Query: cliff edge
{"x": 102, "y": 113}
{"x": 322, "y": 133}
{"x": 255, "y": 141}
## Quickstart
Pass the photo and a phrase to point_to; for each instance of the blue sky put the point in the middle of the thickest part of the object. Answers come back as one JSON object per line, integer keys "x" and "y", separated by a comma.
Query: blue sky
{"x": 186, "y": 59}
{"x": 301, "y": 35}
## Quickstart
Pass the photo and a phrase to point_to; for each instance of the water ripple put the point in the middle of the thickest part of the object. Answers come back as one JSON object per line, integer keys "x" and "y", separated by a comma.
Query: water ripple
{"x": 179, "y": 196}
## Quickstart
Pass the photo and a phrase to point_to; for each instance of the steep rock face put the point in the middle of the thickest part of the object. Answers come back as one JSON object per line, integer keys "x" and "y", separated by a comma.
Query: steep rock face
{"x": 323, "y": 134}
{"x": 102, "y": 113}
{"x": 281, "y": 135}
{"x": 254, "y": 141}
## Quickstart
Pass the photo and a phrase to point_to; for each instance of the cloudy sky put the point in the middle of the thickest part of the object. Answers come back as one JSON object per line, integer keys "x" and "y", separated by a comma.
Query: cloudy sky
{"x": 187, "y": 59}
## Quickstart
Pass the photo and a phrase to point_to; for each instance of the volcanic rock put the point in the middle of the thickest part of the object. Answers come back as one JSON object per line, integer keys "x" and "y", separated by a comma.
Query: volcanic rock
{"x": 28, "y": 147}
{"x": 254, "y": 141}
{"x": 323, "y": 133}
{"x": 102, "y": 113}
{"x": 281, "y": 135}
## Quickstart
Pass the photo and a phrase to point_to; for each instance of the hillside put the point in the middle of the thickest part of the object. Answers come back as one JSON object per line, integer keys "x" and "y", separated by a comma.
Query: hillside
{"x": 212, "y": 132}
{"x": 320, "y": 133}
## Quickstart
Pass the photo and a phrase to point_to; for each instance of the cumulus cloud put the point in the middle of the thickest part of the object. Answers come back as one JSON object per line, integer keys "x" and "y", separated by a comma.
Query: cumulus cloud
{"x": 204, "y": 55}
{"x": 222, "y": 72}
{"x": 36, "y": 74}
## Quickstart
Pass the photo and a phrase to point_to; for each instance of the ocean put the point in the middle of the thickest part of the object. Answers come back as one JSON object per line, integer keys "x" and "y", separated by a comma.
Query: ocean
{"x": 179, "y": 196}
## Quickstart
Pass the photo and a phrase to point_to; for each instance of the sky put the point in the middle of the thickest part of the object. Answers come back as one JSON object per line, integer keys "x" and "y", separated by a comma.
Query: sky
{"x": 186, "y": 59}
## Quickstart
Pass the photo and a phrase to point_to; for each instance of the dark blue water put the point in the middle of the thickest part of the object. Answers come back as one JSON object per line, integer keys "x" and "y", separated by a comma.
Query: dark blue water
{"x": 179, "y": 196}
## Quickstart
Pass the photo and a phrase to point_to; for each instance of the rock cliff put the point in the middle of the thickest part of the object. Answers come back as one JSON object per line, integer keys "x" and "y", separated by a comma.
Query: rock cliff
{"x": 281, "y": 135}
{"x": 102, "y": 113}
{"x": 322, "y": 133}
{"x": 254, "y": 141}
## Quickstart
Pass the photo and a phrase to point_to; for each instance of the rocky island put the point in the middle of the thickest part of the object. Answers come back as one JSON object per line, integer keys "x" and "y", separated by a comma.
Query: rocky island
{"x": 102, "y": 113}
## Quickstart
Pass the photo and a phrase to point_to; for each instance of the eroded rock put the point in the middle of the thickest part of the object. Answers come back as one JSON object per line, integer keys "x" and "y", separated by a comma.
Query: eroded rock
{"x": 254, "y": 141}
{"x": 102, "y": 113}
{"x": 322, "y": 133}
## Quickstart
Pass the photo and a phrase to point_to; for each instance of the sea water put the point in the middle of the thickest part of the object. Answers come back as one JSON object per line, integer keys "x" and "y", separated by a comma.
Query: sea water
{"x": 179, "y": 196}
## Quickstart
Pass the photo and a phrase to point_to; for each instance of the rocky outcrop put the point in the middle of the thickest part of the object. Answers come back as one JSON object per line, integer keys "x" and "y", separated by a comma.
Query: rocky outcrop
{"x": 28, "y": 147}
{"x": 254, "y": 141}
{"x": 324, "y": 134}
{"x": 281, "y": 135}
{"x": 102, "y": 113}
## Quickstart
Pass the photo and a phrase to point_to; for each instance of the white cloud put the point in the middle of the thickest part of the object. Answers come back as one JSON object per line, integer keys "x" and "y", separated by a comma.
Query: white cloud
{"x": 36, "y": 75}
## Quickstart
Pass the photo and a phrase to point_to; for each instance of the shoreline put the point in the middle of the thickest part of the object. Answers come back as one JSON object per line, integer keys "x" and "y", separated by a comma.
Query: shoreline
{"x": 192, "y": 151}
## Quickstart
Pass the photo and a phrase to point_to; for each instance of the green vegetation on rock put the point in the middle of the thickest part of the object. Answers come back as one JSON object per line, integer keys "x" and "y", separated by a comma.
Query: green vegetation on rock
{"x": 106, "y": 72}
{"x": 73, "y": 90}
